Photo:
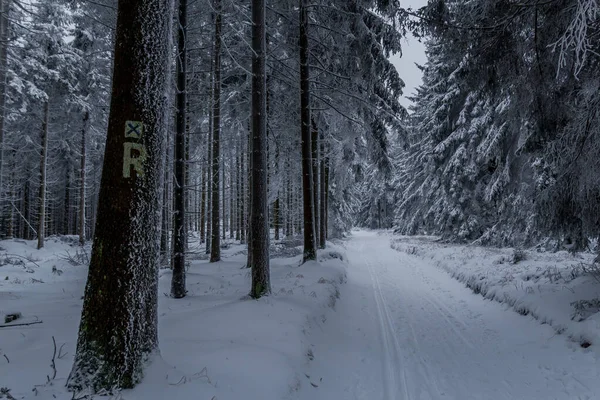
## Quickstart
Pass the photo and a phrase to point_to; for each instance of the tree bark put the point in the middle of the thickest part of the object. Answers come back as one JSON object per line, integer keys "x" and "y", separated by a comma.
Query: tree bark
{"x": 4, "y": 22}
{"x": 310, "y": 246}
{"x": 250, "y": 189}
{"x": 209, "y": 172}
{"x": 26, "y": 225}
{"x": 165, "y": 245}
{"x": 66, "y": 222}
{"x": 240, "y": 201}
{"x": 42, "y": 192}
{"x": 203, "y": 203}
{"x": 11, "y": 197}
{"x": 215, "y": 248}
{"x": 277, "y": 204}
{"x": 86, "y": 117}
{"x": 314, "y": 141}
{"x": 179, "y": 177}
{"x": 242, "y": 193}
{"x": 326, "y": 190}
{"x": 231, "y": 191}
{"x": 288, "y": 204}
{"x": 118, "y": 329}
{"x": 224, "y": 199}
{"x": 323, "y": 201}
{"x": 164, "y": 230}
{"x": 259, "y": 243}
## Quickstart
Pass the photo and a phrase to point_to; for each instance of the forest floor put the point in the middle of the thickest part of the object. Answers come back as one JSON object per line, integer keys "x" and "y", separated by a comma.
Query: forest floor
{"x": 216, "y": 343}
{"x": 416, "y": 320}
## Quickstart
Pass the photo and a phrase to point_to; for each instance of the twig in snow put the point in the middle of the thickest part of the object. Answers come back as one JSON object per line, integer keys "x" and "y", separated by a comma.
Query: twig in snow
{"x": 60, "y": 353}
{"x": 181, "y": 381}
{"x": 23, "y": 324}
{"x": 24, "y": 258}
{"x": 568, "y": 288}
{"x": 5, "y": 356}
{"x": 6, "y": 392}
{"x": 79, "y": 258}
{"x": 53, "y": 362}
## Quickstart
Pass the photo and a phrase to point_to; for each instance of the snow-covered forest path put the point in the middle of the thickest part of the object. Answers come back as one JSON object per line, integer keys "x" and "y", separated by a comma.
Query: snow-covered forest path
{"x": 405, "y": 330}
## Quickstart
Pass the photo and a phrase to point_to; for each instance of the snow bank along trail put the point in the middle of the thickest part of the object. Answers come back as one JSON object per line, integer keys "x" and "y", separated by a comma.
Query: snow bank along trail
{"x": 404, "y": 329}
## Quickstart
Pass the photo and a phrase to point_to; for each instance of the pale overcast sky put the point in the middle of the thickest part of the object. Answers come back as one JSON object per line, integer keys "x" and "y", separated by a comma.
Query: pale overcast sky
{"x": 412, "y": 52}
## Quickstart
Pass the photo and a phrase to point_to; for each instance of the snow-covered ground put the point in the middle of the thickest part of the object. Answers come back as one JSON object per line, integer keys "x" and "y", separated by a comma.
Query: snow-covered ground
{"x": 402, "y": 329}
{"x": 215, "y": 343}
{"x": 405, "y": 329}
{"x": 556, "y": 288}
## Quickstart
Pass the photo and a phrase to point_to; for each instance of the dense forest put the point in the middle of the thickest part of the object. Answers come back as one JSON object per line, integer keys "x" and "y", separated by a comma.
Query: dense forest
{"x": 267, "y": 120}
{"x": 58, "y": 66}
{"x": 501, "y": 145}
{"x": 496, "y": 147}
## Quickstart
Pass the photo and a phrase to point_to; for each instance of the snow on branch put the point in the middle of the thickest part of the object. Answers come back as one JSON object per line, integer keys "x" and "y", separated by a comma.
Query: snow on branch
{"x": 578, "y": 35}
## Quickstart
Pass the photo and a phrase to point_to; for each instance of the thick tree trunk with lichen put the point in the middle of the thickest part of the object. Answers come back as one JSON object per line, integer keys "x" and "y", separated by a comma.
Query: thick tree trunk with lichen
{"x": 118, "y": 329}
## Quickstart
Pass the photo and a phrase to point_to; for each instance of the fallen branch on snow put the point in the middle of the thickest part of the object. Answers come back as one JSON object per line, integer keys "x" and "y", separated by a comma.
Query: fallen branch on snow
{"x": 23, "y": 324}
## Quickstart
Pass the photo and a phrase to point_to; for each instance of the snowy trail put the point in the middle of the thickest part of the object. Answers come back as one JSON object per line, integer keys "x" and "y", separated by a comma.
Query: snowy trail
{"x": 405, "y": 330}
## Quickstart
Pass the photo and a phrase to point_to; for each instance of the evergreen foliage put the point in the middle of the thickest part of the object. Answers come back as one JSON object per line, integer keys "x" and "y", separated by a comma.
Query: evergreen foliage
{"x": 501, "y": 122}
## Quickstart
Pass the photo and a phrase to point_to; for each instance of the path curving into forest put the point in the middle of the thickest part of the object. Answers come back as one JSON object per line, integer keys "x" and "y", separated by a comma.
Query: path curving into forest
{"x": 405, "y": 330}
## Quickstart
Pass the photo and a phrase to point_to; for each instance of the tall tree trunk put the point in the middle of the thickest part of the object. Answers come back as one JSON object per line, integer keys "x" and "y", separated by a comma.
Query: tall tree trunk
{"x": 314, "y": 141}
{"x": 250, "y": 189}
{"x": 94, "y": 205}
{"x": 203, "y": 203}
{"x": 326, "y": 190}
{"x": 242, "y": 193}
{"x": 118, "y": 330}
{"x": 165, "y": 248}
{"x": 277, "y": 218}
{"x": 164, "y": 230}
{"x": 310, "y": 245}
{"x": 240, "y": 201}
{"x": 209, "y": 172}
{"x": 179, "y": 226}
{"x": 27, "y": 228}
{"x": 42, "y": 191}
{"x": 4, "y": 21}
{"x": 186, "y": 180}
{"x": 11, "y": 197}
{"x": 276, "y": 204}
{"x": 50, "y": 223}
{"x": 231, "y": 191}
{"x": 67, "y": 202}
{"x": 86, "y": 117}
{"x": 224, "y": 200}
{"x": 259, "y": 238}
{"x": 288, "y": 204}
{"x": 215, "y": 248}
{"x": 197, "y": 201}
{"x": 322, "y": 202}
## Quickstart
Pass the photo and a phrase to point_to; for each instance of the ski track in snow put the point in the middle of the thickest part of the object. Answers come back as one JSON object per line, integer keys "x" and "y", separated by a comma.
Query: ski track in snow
{"x": 405, "y": 330}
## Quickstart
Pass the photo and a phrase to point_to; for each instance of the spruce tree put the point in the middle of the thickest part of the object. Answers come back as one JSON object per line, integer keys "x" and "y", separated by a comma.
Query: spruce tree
{"x": 118, "y": 329}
